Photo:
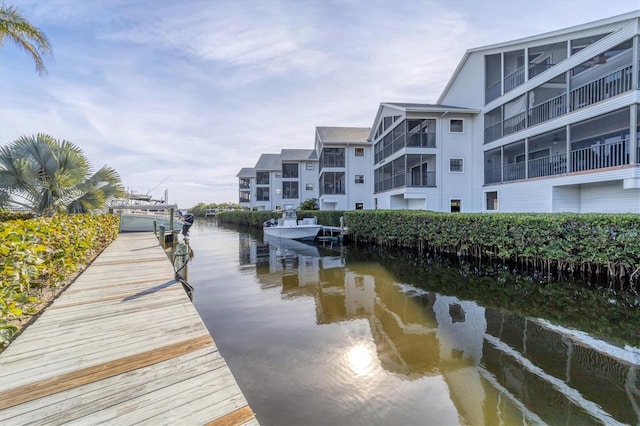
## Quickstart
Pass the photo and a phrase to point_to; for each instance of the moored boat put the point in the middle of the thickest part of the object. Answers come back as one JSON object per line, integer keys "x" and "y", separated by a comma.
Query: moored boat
{"x": 288, "y": 226}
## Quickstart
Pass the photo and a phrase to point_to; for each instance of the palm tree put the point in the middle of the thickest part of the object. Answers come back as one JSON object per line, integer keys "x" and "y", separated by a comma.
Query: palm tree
{"x": 18, "y": 29}
{"x": 47, "y": 176}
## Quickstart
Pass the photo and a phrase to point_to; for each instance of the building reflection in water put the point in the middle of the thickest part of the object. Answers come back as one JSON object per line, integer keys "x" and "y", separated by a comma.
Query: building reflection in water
{"x": 498, "y": 367}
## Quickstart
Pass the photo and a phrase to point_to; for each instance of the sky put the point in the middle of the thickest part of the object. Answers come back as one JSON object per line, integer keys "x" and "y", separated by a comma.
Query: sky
{"x": 180, "y": 95}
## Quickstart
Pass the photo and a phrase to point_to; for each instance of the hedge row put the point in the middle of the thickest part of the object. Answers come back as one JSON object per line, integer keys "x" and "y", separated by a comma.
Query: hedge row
{"x": 39, "y": 254}
{"x": 554, "y": 243}
{"x": 257, "y": 218}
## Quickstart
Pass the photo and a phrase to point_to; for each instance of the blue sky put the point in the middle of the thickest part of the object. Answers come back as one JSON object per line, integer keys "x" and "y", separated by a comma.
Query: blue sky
{"x": 182, "y": 94}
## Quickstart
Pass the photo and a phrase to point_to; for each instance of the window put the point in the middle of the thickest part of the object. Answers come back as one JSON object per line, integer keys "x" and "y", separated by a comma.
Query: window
{"x": 309, "y": 187}
{"x": 359, "y": 206}
{"x": 308, "y": 166}
{"x": 289, "y": 190}
{"x": 456, "y": 206}
{"x": 456, "y": 165}
{"x": 359, "y": 152}
{"x": 278, "y": 175}
{"x": 332, "y": 157}
{"x": 262, "y": 194}
{"x": 289, "y": 170}
{"x": 245, "y": 197}
{"x": 359, "y": 178}
{"x": 332, "y": 183}
{"x": 456, "y": 125}
{"x": 491, "y": 200}
{"x": 262, "y": 178}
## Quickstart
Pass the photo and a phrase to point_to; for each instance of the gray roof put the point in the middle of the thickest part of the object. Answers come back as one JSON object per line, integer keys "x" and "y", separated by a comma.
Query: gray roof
{"x": 343, "y": 134}
{"x": 246, "y": 172}
{"x": 428, "y": 107}
{"x": 296, "y": 154}
{"x": 268, "y": 162}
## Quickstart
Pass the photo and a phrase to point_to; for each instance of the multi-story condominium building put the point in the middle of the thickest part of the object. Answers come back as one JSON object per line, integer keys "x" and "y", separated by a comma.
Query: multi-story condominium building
{"x": 279, "y": 179}
{"x": 345, "y": 163}
{"x": 422, "y": 156}
{"x": 559, "y": 119}
{"x": 548, "y": 123}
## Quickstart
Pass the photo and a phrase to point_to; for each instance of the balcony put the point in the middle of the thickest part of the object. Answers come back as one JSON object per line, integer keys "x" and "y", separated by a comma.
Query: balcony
{"x": 514, "y": 79}
{"x": 548, "y": 166}
{"x": 588, "y": 94}
{"x": 600, "y": 156}
{"x": 595, "y": 157}
{"x": 606, "y": 87}
{"x": 425, "y": 179}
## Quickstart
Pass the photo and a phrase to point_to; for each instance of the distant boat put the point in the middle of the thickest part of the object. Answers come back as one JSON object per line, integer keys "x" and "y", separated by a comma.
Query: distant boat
{"x": 288, "y": 226}
{"x": 143, "y": 222}
{"x": 138, "y": 213}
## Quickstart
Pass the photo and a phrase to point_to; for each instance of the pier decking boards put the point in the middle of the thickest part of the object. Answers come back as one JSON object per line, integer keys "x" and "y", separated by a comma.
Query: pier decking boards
{"x": 122, "y": 345}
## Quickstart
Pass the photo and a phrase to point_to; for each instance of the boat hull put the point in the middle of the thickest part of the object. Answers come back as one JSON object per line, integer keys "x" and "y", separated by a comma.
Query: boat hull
{"x": 297, "y": 232}
{"x": 144, "y": 222}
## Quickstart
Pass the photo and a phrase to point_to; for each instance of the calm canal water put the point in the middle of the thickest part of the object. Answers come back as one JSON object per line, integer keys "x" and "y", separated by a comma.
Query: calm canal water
{"x": 316, "y": 338}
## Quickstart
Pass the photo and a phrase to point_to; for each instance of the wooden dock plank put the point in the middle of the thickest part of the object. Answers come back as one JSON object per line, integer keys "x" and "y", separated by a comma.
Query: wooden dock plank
{"x": 123, "y": 344}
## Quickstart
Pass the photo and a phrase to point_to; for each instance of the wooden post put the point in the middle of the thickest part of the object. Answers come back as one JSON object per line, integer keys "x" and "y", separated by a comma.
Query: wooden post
{"x": 161, "y": 236}
{"x": 171, "y": 219}
{"x": 180, "y": 260}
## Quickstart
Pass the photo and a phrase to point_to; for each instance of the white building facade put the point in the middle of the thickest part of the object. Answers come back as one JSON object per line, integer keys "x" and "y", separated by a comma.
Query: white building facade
{"x": 345, "y": 164}
{"x": 559, "y": 119}
{"x": 549, "y": 123}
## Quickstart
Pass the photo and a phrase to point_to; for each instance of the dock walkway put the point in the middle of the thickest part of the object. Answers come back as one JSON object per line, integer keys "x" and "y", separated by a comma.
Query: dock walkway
{"x": 122, "y": 345}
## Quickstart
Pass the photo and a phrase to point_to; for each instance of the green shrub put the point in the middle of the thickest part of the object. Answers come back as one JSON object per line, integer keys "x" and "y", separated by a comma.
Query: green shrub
{"x": 37, "y": 254}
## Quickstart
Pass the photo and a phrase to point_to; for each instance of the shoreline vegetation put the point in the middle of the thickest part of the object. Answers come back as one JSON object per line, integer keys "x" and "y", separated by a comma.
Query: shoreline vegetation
{"x": 40, "y": 257}
{"x": 584, "y": 298}
{"x": 602, "y": 249}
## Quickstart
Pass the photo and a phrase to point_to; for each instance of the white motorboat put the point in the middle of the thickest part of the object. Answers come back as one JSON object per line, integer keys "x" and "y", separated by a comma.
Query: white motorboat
{"x": 138, "y": 213}
{"x": 142, "y": 221}
{"x": 288, "y": 226}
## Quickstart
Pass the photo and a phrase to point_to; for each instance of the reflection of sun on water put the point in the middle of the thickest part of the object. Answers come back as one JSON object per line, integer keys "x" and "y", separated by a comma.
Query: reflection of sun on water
{"x": 360, "y": 360}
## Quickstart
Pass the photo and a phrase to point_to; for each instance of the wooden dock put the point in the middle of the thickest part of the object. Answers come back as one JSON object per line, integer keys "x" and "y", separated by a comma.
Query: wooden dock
{"x": 122, "y": 345}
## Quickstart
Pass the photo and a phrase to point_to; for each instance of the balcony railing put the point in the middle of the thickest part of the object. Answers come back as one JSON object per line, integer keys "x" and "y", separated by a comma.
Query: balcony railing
{"x": 588, "y": 94}
{"x": 514, "y": 79}
{"x": 515, "y": 123}
{"x": 548, "y": 166}
{"x": 600, "y": 156}
{"x": 425, "y": 179}
{"x": 611, "y": 85}
{"x": 553, "y": 108}
{"x": 492, "y": 92}
{"x": 592, "y": 158}
{"x": 535, "y": 69}
{"x": 422, "y": 140}
{"x": 515, "y": 171}
{"x": 493, "y": 132}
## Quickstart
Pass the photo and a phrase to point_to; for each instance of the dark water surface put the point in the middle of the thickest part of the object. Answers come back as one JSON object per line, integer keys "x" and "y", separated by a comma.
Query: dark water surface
{"x": 316, "y": 338}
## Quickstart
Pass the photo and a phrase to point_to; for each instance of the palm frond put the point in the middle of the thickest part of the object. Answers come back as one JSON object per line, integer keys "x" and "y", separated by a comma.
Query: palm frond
{"x": 18, "y": 29}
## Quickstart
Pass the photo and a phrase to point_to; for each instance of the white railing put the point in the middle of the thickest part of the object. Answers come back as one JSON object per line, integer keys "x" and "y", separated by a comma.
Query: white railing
{"x": 611, "y": 85}
{"x": 547, "y": 166}
{"x": 553, "y": 108}
{"x": 600, "y": 156}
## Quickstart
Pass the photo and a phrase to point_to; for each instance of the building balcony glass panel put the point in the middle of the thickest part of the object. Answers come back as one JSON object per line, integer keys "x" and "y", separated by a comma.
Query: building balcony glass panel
{"x": 426, "y": 179}
{"x": 492, "y": 175}
{"x": 492, "y": 92}
{"x": 422, "y": 140}
{"x": 493, "y": 132}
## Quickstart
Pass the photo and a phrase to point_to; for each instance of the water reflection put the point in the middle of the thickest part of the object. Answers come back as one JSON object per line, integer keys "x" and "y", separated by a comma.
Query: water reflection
{"x": 496, "y": 367}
